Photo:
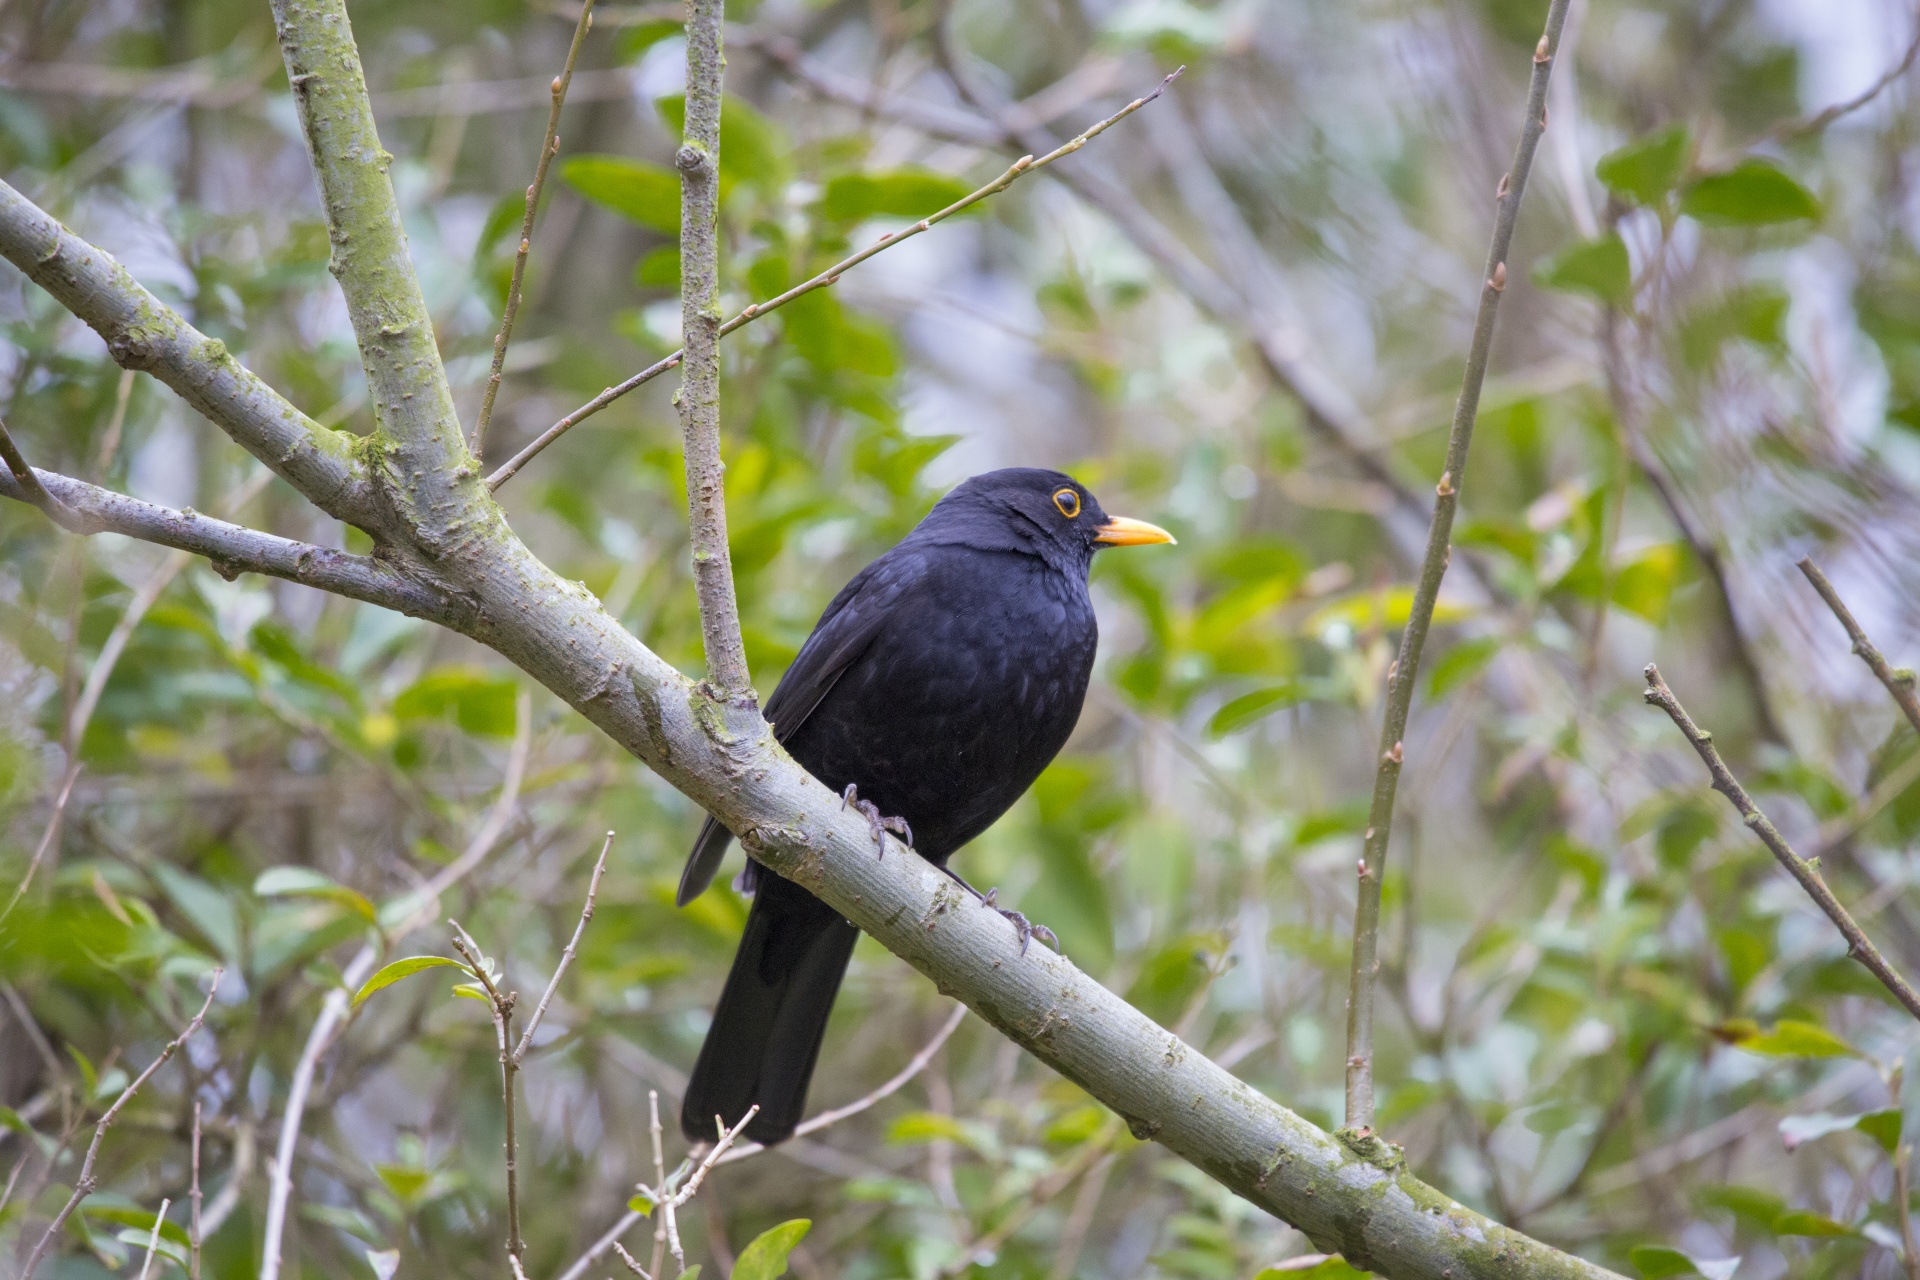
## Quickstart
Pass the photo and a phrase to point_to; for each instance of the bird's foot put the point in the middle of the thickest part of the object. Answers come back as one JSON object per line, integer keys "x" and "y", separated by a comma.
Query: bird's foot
{"x": 1026, "y": 928}
{"x": 875, "y": 822}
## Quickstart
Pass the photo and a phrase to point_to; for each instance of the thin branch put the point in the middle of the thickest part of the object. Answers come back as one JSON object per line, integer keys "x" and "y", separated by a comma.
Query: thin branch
{"x": 699, "y": 399}
{"x": 566, "y": 957}
{"x": 153, "y": 1239}
{"x": 831, "y": 275}
{"x": 143, "y": 333}
{"x": 1364, "y": 972}
{"x": 1899, "y": 681}
{"x": 500, "y": 1005}
{"x": 915, "y": 1065}
{"x": 632, "y": 1263}
{"x": 235, "y": 549}
{"x": 549, "y": 148}
{"x": 1808, "y": 874}
{"x": 1820, "y": 120}
{"x": 86, "y": 1183}
{"x": 659, "y": 1258}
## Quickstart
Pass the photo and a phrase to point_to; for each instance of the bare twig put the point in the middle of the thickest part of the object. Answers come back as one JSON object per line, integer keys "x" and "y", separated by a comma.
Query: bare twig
{"x": 1821, "y": 119}
{"x": 500, "y": 1005}
{"x": 86, "y": 1183}
{"x": 566, "y": 957}
{"x": 633, "y": 1263}
{"x": 659, "y": 1258}
{"x": 549, "y": 148}
{"x": 1808, "y": 874}
{"x": 1364, "y": 971}
{"x": 742, "y": 1151}
{"x": 153, "y": 1239}
{"x": 831, "y": 275}
{"x": 915, "y": 1065}
{"x": 1899, "y": 681}
{"x": 193, "y": 1193}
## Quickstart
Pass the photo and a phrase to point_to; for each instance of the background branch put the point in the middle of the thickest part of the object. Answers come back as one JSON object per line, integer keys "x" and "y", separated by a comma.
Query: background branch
{"x": 549, "y": 148}
{"x": 1898, "y": 682}
{"x": 1859, "y": 946}
{"x": 84, "y": 1186}
{"x": 1364, "y": 974}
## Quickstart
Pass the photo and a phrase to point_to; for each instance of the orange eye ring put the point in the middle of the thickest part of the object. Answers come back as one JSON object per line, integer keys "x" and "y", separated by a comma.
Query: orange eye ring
{"x": 1068, "y": 502}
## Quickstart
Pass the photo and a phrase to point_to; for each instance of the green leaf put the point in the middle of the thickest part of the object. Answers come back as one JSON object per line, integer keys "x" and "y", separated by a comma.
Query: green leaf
{"x": 1883, "y": 1127}
{"x": 1657, "y": 1261}
{"x": 1790, "y": 1038}
{"x": 481, "y": 703}
{"x": 648, "y": 194}
{"x": 304, "y": 882}
{"x": 1598, "y": 268}
{"x": 399, "y": 969}
{"x": 1249, "y": 707}
{"x": 1754, "y": 193}
{"x": 900, "y": 193}
{"x": 1644, "y": 585}
{"x": 926, "y": 1126}
{"x": 766, "y": 1257}
{"x": 642, "y": 1204}
{"x": 1460, "y": 664}
{"x": 1327, "y": 1268}
{"x": 1804, "y": 1222}
{"x": 1647, "y": 168}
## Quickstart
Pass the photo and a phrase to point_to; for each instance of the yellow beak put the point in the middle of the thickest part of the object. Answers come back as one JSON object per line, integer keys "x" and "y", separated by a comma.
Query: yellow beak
{"x": 1119, "y": 531}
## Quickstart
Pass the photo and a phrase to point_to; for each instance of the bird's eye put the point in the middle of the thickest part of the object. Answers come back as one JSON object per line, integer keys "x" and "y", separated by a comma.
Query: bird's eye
{"x": 1068, "y": 501}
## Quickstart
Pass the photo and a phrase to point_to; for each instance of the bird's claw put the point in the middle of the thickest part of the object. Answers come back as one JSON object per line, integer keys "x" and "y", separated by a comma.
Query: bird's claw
{"x": 875, "y": 822}
{"x": 1026, "y": 928}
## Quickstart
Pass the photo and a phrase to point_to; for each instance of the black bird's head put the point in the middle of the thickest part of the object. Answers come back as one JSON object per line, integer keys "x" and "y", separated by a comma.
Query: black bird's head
{"x": 1034, "y": 511}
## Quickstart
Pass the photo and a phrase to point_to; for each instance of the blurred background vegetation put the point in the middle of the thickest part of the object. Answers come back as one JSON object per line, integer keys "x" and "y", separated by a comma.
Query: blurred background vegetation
{"x": 1612, "y": 1022}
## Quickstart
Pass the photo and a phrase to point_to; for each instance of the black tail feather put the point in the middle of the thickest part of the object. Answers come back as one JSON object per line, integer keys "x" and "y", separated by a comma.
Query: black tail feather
{"x": 709, "y": 847}
{"x": 767, "y": 1028}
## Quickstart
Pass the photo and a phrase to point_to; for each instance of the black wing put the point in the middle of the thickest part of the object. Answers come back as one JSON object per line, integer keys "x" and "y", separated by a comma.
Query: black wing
{"x": 843, "y": 633}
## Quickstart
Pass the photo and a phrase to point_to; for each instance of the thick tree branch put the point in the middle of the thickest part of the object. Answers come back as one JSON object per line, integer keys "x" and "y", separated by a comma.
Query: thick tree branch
{"x": 1859, "y": 946}
{"x": 1364, "y": 972}
{"x": 699, "y": 396}
{"x": 414, "y": 417}
{"x": 235, "y": 549}
{"x": 144, "y": 333}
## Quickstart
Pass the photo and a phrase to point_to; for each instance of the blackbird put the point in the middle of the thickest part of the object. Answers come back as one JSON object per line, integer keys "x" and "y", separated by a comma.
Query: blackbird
{"x": 934, "y": 689}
